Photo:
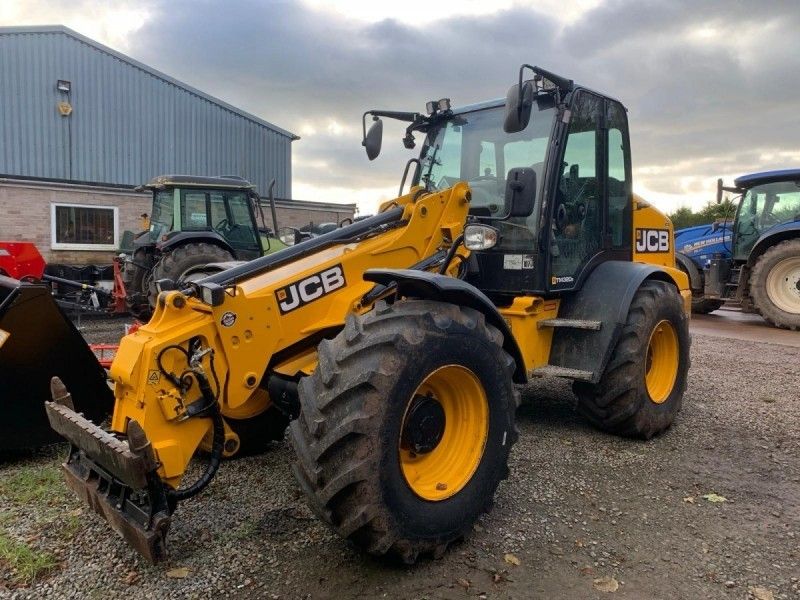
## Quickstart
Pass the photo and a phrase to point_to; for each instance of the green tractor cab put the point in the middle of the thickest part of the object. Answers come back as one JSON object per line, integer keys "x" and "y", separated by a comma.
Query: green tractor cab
{"x": 196, "y": 224}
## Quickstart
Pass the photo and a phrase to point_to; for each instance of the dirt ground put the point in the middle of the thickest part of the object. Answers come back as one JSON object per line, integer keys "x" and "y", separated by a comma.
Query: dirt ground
{"x": 711, "y": 509}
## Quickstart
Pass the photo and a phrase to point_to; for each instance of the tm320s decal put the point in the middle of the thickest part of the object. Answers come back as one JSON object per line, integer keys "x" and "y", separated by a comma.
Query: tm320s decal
{"x": 652, "y": 240}
{"x": 310, "y": 288}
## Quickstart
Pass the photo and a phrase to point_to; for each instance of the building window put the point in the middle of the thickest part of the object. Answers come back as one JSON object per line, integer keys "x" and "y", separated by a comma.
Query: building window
{"x": 84, "y": 227}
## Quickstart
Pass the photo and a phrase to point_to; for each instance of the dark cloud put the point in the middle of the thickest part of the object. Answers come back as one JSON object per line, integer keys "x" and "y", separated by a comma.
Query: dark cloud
{"x": 710, "y": 86}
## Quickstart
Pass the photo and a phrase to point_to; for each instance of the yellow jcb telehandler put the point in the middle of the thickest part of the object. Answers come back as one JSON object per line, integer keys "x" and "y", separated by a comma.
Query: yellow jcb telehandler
{"x": 393, "y": 345}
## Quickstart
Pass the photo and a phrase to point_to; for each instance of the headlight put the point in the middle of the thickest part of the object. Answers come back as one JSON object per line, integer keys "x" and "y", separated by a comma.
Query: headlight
{"x": 480, "y": 237}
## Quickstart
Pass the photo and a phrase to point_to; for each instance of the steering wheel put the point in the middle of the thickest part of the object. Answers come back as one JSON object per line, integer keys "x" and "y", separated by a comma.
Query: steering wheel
{"x": 768, "y": 220}
{"x": 222, "y": 225}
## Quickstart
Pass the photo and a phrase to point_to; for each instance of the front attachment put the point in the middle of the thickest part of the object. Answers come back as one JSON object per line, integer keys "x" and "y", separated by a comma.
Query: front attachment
{"x": 115, "y": 476}
{"x": 37, "y": 342}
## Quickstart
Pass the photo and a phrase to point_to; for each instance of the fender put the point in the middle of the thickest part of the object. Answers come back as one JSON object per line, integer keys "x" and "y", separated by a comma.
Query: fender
{"x": 442, "y": 288}
{"x": 606, "y": 296}
{"x": 776, "y": 234}
{"x": 688, "y": 265}
{"x": 210, "y": 237}
{"x": 212, "y": 268}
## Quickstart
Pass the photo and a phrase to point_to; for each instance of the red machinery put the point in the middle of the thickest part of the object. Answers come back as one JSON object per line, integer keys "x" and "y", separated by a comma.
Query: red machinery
{"x": 21, "y": 259}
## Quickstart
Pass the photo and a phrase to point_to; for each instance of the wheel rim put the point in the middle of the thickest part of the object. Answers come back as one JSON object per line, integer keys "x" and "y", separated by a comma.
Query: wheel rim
{"x": 444, "y": 432}
{"x": 661, "y": 367}
{"x": 783, "y": 285}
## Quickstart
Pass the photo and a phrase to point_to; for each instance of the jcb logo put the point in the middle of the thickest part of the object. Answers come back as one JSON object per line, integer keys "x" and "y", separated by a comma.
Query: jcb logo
{"x": 311, "y": 288}
{"x": 652, "y": 240}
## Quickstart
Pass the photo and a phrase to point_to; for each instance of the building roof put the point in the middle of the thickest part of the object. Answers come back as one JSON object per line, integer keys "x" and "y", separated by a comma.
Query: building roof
{"x": 748, "y": 181}
{"x": 155, "y": 73}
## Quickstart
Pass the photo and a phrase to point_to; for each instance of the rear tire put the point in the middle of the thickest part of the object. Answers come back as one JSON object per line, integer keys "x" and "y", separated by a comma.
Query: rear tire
{"x": 351, "y": 439}
{"x": 703, "y": 306}
{"x": 775, "y": 285}
{"x": 642, "y": 387}
{"x": 179, "y": 260}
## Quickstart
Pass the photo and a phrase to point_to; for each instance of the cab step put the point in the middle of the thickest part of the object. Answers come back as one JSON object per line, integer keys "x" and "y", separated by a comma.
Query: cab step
{"x": 554, "y": 371}
{"x": 571, "y": 324}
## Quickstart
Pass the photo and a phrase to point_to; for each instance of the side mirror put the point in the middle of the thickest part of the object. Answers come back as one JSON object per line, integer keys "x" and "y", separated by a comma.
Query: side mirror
{"x": 519, "y": 101}
{"x": 290, "y": 236}
{"x": 520, "y": 191}
{"x": 372, "y": 141}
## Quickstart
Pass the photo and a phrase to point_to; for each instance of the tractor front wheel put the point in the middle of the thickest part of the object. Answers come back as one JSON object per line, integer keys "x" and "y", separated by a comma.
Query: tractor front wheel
{"x": 642, "y": 387}
{"x": 406, "y": 426}
{"x": 775, "y": 285}
{"x": 178, "y": 261}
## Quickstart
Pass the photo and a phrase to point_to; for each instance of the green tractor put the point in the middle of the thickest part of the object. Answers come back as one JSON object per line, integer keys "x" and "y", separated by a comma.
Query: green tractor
{"x": 197, "y": 226}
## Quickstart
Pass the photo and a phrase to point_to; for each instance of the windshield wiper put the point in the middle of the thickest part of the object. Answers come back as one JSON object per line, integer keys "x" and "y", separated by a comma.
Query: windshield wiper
{"x": 431, "y": 162}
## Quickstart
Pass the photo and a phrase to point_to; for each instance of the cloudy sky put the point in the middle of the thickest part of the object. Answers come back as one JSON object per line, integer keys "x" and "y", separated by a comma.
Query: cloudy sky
{"x": 712, "y": 87}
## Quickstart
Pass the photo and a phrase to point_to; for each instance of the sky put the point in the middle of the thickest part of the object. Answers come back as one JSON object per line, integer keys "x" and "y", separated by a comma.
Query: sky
{"x": 711, "y": 86}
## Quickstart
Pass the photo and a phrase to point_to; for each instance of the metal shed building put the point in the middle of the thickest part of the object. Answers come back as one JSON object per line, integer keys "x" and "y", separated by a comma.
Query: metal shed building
{"x": 82, "y": 124}
{"x": 75, "y": 110}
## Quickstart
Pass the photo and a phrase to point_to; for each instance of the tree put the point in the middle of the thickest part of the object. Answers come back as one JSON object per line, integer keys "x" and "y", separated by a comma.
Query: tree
{"x": 685, "y": 217}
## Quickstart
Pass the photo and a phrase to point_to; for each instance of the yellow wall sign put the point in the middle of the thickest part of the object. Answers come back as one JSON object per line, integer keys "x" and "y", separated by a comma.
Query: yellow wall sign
{"x": 65, "y": 108}
{"x": 4, "y": 335}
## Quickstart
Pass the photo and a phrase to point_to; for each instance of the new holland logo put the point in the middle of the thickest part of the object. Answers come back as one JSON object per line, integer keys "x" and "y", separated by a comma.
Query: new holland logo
{"x": 310, "y": 288}
{"x": 652, "y": 240}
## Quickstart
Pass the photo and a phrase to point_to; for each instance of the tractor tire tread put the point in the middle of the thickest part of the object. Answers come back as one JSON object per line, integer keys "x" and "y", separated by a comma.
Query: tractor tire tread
{"x": 334, "y": 437}
{"x": 614, "y": 403}
{"x": 758, "y": 285}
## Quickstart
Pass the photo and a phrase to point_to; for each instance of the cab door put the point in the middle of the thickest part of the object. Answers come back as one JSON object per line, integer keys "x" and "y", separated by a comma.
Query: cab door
{"x": 590, "y": 215}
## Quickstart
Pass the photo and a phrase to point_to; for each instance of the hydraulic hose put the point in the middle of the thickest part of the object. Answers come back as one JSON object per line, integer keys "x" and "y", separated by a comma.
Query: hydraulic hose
{"x": 450, "y": 254}
{"x": 210, "y": 409}
{"x": 217, "y": 446}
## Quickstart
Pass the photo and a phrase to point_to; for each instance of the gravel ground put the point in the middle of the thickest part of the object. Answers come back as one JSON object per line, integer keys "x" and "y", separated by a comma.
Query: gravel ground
{"x": 582, "y": 511}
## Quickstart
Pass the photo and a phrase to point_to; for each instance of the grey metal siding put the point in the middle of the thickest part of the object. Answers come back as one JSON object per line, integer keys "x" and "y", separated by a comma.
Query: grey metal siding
{"x": 129, "y": 123}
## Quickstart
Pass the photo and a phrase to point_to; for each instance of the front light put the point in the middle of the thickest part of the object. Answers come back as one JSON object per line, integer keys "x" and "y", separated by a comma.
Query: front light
{"x": 287, "y": 238}
{"x": 212, "y": 294}
{"x": 480, "y": 237}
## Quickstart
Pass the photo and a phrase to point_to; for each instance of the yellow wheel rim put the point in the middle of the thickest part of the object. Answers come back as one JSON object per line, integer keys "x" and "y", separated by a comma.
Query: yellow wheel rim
{"x": 661, "y": 368}
{"x": 455, "y": 396}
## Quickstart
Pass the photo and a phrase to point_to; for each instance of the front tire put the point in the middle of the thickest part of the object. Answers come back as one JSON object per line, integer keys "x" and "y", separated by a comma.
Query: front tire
{"x": 775, "y": 285}
{"x": 178, "y": 261}
{"x": 406, "y": 427}
{"x": 642, "y": 387}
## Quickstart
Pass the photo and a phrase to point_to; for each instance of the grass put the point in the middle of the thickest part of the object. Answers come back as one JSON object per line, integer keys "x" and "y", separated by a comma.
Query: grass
{"x": 33, "y": 484}
{"x": 32, "y": 498}
{"x": 26, "y": 563}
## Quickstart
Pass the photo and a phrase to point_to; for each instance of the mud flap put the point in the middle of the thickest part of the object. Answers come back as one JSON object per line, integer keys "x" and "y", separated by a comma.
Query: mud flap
{"x": 38, "y": 342}
{"x": 116, "y": 477}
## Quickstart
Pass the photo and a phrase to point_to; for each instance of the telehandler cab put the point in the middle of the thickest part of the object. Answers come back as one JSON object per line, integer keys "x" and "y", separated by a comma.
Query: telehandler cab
{"x": 395, "y": 343}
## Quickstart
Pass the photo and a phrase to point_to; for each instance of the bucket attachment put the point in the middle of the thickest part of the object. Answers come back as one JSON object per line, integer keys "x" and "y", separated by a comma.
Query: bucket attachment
{"x": 116, "y": 477}
{"x": 38, "y": 342}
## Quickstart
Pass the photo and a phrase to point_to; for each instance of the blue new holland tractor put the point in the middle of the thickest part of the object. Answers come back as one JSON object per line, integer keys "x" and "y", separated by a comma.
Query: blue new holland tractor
{"x": 753, "y": 260}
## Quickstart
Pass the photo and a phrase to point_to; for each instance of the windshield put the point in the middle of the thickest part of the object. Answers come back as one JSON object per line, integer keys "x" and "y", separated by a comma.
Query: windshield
{"x": 162, "y": 218}
{"x": 473, "y": 147}
{"x": 763, "y": 207}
